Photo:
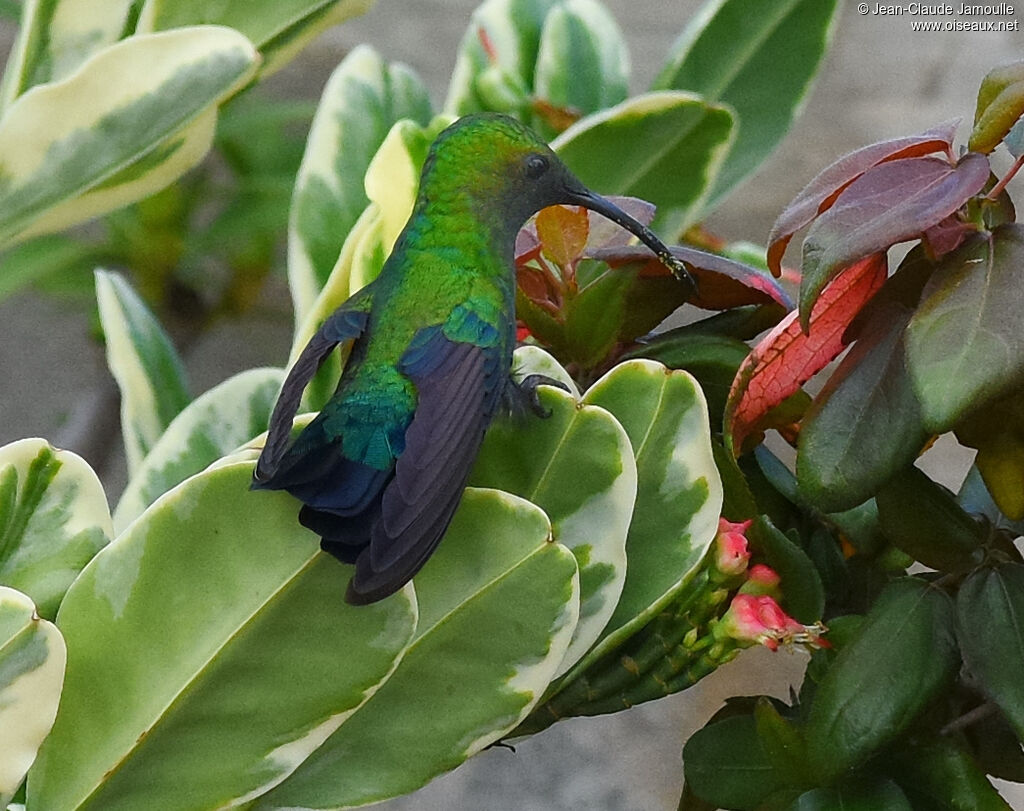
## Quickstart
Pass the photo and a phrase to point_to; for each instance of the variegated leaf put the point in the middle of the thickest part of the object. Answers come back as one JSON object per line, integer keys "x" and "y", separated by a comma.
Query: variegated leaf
{"x": 129, "y": 120}
{"x": 32, "y": 658}
{"x": 145, "y": 364}
{"x": 214, "y": 424}
{"x": 363, "y": 98}
{"x": 214, "y": 631}
{"x": 53, "y": 520}
{"x": 498, "y": 604}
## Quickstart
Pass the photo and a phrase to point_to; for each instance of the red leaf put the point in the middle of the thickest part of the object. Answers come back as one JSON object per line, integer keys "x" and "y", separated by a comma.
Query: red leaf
{"x": 821, "y": 193}
{"x": 892, "y": 202}
{"x": 721, "y": 283}
{"x": 787, "y": 357}
{"x": 563, "y": 232}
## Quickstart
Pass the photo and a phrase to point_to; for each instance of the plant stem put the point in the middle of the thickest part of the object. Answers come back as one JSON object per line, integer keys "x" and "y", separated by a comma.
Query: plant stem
{"x": 998, "y": 188}
{"x": 979, "y": 713}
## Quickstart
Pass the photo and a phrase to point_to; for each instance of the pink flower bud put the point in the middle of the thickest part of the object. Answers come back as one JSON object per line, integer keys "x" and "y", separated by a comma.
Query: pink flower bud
{"x": 761, "y": 580}
{"x": 758, "y": 619}
{"x": 731, "y": 551}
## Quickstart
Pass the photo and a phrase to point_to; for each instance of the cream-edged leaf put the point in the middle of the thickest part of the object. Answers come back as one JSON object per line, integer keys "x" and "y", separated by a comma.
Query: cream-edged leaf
{"x": 53, "y": 520}
{"x": 119, "y": 118}
{"x": 214, "y": 424}
{"x": 215, "y": 632}
{"x": 32, "y": 659}
{"x": 363, "y": 98}
{"x": 498, "y": 604}
{"x": 144, "y": 363}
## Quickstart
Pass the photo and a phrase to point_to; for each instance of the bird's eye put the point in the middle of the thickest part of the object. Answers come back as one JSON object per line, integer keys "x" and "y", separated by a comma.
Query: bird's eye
{"x": 536, "y": 165}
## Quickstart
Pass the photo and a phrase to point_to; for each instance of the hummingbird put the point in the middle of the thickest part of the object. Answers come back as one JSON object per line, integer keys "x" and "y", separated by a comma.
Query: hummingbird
{"x": 381, "y": 469}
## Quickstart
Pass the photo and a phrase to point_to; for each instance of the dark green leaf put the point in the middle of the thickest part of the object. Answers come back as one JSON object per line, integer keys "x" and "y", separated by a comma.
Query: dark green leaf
{"x": 1000, "y": 104}
{"x": 782, "y": 742}
{"x": 891, "y": 202}
{"x": 901, "y": 659}
{"x": 923, "y": 519}
{"x": 940, "y": 775}
{"x": 759, "y": 58}
{"x": 996, "y": 747}
{"x": 990, "y": 627}
{"x": 802, "y": 593}
{"x": 865, "y": 423}
{"x": 726, "y": 764}
{"x": 873, "y": 795}
{"x": 965, "y": 346}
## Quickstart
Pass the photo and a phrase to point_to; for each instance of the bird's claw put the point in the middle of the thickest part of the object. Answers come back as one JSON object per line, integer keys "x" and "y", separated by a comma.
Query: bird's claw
{"x": 528, "y": 391}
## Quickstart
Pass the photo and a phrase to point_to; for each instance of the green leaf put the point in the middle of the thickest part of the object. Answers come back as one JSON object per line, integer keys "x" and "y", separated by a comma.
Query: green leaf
{"x": 975, "y": 498}
{"x": 214, "y": 424}
{"x": 363, "y": 98}
{"x": 47, "y": 257}
{"x": 940, "y": 775}
{"x": 725, "y": 764}
{"x": 214, "y": 606}
{"x": 664, "y": 147}
{"x": 679, "y": 492}
{"x": 279, "y": 29}
{"x": 53, "y": 519}
{"x": 145, "y": 364}
{"x": 56, "y": 37}
{"x": 88, "y": 144}
{"x": 577, "y": 465}
{"x": 870, "y": 795}
{"x": 990, "y": 614}
{"x": 803, "y": 595}
{"x": 1000, "y": 105}
{"x": 923, "y": 519}
{"x": 32, "y": 658}
{"x": 512, "y": 30}
{"x": 758, "y": 58}
{"x": 964, "y": 344}
{"x": 866, "y": 421}
{"x": 498, "y": 604}
{"x": 903, "y": 656}
{"x": 580, "y": 38}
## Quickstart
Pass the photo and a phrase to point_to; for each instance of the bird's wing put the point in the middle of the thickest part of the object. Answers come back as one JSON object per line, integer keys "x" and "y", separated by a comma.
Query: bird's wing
{"x": 344, "y": 324}
{"x": 457, "y": 385}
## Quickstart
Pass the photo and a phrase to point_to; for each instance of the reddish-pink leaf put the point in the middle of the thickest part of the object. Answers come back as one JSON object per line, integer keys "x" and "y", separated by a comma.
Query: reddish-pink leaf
{"x": 721, "y": 283}
{"x": 787, "y": 356}
{"x": 947, "y": 236}
{"x": 820, "y": 193}
{"x": 605, "y": 234}
{"x": 892, "y": 202}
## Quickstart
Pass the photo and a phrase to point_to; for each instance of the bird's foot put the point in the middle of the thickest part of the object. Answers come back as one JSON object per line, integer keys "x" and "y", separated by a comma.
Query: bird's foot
{"x": 525, "y": 395}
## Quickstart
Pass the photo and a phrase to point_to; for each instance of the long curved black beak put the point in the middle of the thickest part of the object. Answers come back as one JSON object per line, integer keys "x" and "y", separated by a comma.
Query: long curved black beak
{"x": 606, "y": 208}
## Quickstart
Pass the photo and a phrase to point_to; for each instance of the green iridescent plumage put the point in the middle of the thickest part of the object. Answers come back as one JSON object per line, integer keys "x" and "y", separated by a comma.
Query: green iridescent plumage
{"x": 381, "y": 469}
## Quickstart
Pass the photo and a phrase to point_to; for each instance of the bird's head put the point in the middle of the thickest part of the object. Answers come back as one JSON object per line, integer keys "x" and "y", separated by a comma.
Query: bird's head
{"x": 505, "y": 170}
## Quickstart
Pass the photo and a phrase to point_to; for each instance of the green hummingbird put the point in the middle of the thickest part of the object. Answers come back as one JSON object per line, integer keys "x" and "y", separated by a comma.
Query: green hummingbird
{"x": 381, "y": 469}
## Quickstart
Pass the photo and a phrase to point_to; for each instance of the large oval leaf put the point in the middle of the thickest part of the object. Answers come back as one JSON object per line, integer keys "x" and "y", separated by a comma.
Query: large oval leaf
{"x": 577, "y": 465}
{"x": 114, "y": 138}
{"x": 143, "y": 360}
{"x": 664, "y": 147}
{"x": 498, "y": 604}
{"x": 215, "y": 633}
{"x": 363, "y": 98}
{"x": 53, "y": 520}
{"x": 679, "y": 492}
{"x": 964, "y": 344}
{"x": 758, "y": 58}
{"x": 32, "y": 658}
{"x": 215, "y": 423}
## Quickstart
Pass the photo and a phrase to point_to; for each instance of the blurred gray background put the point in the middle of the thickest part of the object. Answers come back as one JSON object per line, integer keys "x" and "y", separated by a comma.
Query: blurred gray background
{"x": 879, "y": 80}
